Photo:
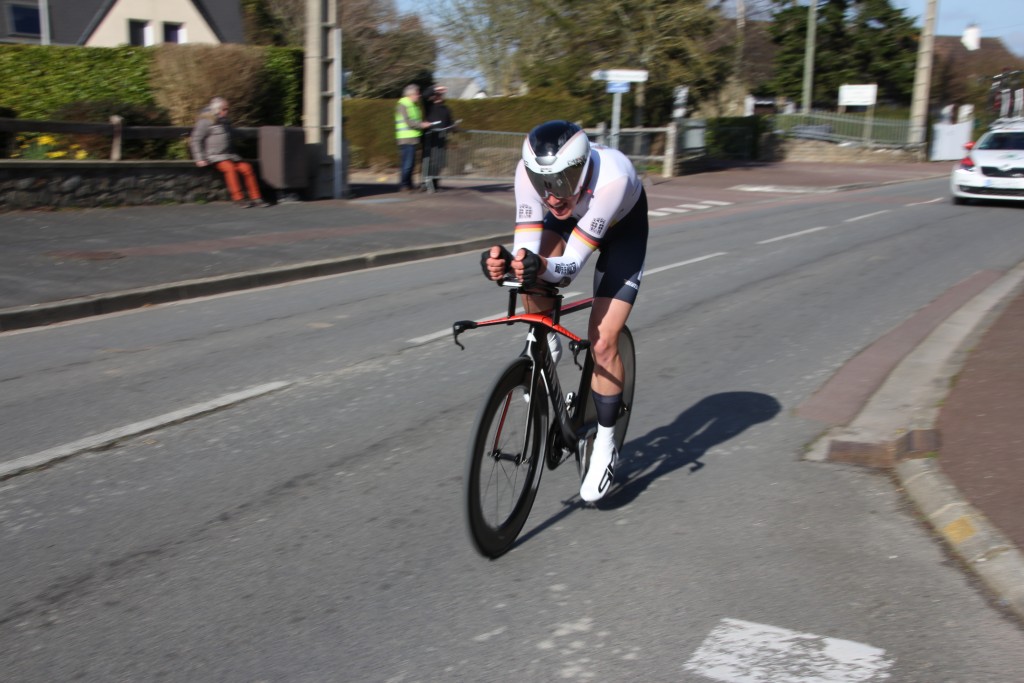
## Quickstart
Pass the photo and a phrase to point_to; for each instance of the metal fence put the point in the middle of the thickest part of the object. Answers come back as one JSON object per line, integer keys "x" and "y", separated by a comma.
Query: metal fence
{"x": 864, "y": 128}
{"x": 492, "y": 155}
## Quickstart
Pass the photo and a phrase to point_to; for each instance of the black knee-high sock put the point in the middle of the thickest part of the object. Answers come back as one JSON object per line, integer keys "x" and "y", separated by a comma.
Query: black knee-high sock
{"x": 607, "y": 408}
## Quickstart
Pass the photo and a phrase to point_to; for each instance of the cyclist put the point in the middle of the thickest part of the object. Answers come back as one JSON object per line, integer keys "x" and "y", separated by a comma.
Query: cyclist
{"x": 594, "y": 200}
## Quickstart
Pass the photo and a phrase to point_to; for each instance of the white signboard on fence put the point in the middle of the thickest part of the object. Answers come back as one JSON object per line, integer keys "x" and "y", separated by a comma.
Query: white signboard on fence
{"x": 620, "y": 75}
{"x": 858, "y": 95}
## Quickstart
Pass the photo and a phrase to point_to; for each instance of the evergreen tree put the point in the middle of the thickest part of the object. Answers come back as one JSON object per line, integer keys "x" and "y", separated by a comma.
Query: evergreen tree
{"x": 857, "y": 42}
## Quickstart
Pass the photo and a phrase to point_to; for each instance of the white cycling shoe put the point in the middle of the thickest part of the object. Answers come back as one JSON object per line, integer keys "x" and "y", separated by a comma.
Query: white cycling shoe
{"x": 601, "y": 473}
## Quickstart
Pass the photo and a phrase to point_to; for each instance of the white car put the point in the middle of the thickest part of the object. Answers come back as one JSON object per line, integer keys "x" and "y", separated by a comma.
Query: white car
{"x": 994, "y": 165}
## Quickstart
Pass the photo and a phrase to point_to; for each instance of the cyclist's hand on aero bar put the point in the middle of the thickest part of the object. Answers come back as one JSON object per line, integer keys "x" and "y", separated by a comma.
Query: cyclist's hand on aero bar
{"x": 495, "y": 262}
{"x": 527, "y": 267}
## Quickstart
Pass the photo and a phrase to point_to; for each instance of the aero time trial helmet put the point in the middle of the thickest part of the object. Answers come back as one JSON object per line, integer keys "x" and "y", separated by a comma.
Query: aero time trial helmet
{"x": 557, "y": 156}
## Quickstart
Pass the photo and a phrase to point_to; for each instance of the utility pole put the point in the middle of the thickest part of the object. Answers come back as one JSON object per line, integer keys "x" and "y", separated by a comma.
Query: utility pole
{"x": 812, "y": 30}
{"x": 321, "y": 96}
{"x": 44, "y": 22}
{"x": 923, "y": 77}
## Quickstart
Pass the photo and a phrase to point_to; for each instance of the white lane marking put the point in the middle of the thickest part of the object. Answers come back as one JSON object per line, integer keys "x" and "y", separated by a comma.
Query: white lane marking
{"x": 794, "y": 234}
{"x": 930, "y": 201}
{"x": 783, "y": 189}
{"x": 867, "y": 215}
{"x": 744, "y": 652}
{"x": 657, "y": 214}
{"x": 693, "y": 206}
{"x": 652, "y": 271}
{"x": 443, "y": 333}
{"x": 674, "y": 210}
{"x": 714, "y": 202}
{"x": 96, "y": 441}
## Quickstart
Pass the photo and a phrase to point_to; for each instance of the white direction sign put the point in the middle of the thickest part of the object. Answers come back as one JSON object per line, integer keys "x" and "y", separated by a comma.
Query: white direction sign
{"x": 620, "y": 75}
{"x": 858, "y": 95}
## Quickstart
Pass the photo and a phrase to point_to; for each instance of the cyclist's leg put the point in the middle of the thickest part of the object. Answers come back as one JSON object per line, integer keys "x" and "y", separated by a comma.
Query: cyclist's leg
{"x": 616, "y": 284}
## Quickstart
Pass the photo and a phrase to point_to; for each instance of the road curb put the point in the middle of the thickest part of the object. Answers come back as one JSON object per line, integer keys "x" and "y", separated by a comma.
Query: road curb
{"x": 968, "y": 533}
{"x": 898, "y": 425}
{"x": 37, "y": 315}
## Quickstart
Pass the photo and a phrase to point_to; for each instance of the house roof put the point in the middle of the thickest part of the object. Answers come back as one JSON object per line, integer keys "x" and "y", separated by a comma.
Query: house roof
{"x": 461, "y": 88}
{"x": 73, "y": 21}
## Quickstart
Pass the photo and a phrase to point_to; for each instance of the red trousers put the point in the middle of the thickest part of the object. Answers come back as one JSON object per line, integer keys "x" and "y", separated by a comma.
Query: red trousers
{"x": 231, "y": 169}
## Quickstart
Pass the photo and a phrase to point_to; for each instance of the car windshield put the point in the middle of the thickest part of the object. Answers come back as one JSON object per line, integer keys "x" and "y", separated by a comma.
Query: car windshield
{"x": 1006, "y": 140}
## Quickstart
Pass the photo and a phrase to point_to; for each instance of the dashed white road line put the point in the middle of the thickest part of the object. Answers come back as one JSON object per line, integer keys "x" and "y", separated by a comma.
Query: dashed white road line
{"x": 794, "y": 234}
{"x": 714, "y": 202}
{"x": 739, "y": 651}
{"x": 930, "y": 201}
{"x": 697, "y": 207}
{"x": 91, "y": 443}
{"x": 652, "y": 271}
{"x": 867, "y": 215}
{"x": 672, "y": 209}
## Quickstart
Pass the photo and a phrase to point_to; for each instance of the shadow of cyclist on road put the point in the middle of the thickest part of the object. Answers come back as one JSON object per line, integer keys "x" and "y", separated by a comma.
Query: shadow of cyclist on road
{"x": 709, "y": 422}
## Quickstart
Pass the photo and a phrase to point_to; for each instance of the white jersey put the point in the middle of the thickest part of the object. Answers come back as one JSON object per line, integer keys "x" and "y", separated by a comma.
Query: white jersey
{"x": 609, "y": 196}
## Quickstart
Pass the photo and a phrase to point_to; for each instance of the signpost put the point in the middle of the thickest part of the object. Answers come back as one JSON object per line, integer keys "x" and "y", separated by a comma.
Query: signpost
{"x": 861, "y": 96}
{"x": 618, "y": 83}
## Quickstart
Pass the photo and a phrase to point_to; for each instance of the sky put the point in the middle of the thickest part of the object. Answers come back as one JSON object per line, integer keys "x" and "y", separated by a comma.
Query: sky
{"x": 996, "y": 18}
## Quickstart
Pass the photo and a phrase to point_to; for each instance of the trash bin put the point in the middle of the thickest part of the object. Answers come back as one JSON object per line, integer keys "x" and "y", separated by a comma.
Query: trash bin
{"x": 282, "y": 156}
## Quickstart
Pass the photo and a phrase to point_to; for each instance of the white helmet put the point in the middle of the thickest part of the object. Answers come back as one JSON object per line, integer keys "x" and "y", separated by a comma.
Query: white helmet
{"x": 557, "y": 156}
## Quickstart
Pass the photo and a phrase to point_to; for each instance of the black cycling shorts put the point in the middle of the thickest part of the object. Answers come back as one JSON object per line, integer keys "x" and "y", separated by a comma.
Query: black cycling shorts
{"x": 620, "y": 265}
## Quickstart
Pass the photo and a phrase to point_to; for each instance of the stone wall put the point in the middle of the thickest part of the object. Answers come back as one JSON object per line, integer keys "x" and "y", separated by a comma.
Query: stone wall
{"x": 829, "y": 152}
{"x": 65, "y": 184}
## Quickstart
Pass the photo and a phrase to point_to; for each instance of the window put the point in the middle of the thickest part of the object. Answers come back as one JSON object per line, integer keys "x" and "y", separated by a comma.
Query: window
{"x": 24, "y": 20}
{"x": 139, "y": 32}
{"x": 174, "y": 33}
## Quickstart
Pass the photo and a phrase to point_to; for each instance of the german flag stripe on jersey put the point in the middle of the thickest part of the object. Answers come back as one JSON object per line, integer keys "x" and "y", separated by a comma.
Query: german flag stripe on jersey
{"x": 585, "y": 238}
{"x": 524, "y": 228}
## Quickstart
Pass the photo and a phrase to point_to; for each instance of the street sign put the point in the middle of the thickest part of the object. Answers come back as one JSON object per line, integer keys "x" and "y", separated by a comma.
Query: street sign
{"x": 858, "y": 95}
{"x": 620, "y": 75}
{"x": 617, "y": 86}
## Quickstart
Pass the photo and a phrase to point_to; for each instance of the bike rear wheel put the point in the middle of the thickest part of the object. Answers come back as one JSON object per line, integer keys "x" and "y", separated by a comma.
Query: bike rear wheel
{"x": 505, "y": 460}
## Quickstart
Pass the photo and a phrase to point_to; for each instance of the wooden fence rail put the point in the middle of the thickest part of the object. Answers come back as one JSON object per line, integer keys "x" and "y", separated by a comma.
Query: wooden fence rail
{"x": 116, "y": 129}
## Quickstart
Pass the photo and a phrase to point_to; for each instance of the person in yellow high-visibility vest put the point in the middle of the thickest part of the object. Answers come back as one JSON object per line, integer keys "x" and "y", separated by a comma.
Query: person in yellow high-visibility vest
{"x": 409, "y": 127}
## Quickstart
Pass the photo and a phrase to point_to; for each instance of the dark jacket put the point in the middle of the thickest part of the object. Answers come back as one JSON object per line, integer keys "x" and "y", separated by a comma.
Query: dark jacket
{"x": 437, "y": 113}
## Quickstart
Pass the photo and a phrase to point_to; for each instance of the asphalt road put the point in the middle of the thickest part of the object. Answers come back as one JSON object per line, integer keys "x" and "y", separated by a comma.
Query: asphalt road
{"x": 314, "y": 532}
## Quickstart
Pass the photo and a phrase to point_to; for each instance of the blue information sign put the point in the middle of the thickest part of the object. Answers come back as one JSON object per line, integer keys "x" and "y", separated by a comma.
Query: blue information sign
{"x": 617, "y": 86}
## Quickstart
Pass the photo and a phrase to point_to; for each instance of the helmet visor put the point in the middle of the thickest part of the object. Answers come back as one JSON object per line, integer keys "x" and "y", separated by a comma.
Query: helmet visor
{"x": 561, "y": 184}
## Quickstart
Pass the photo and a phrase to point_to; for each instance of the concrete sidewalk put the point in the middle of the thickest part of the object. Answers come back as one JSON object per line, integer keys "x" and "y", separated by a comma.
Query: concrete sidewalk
{"x": 58, "y": 266}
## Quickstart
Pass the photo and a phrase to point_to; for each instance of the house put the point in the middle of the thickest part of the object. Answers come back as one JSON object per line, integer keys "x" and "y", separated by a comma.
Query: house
{"x": 462, "y": 88}
{"x": 107, "y": 23}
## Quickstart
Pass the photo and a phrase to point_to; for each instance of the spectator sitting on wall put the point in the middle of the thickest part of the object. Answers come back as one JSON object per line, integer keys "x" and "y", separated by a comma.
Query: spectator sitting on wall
{"x": 210, "y": 144}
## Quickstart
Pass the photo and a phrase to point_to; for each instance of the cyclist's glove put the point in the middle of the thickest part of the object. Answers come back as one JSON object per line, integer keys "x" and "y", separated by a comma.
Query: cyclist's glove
{"x": 503, "y": 254}
{"x": 531, "y": 268}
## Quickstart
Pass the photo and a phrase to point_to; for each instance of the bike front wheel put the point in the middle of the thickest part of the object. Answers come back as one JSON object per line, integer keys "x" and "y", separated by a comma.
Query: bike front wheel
{"x": 505, "y": 460}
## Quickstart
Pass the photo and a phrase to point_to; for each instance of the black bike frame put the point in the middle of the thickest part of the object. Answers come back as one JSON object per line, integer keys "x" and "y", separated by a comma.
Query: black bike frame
{"x": 570, "y": 424}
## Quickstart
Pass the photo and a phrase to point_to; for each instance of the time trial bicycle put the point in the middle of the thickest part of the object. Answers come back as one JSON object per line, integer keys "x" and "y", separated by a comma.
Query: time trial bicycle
{"x": 514, "y": 431}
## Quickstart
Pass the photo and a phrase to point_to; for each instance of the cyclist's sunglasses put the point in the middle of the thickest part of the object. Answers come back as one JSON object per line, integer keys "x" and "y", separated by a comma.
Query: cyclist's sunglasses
{"x": 561, "y": 185}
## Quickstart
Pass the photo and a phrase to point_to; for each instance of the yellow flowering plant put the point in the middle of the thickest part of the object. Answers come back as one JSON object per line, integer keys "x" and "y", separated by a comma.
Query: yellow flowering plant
{"x": 43, "y": 147}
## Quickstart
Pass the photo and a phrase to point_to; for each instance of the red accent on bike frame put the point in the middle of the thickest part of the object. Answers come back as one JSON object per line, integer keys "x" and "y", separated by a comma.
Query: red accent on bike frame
{"x": 501, "y": 422}
{"x": 541, "y": 319}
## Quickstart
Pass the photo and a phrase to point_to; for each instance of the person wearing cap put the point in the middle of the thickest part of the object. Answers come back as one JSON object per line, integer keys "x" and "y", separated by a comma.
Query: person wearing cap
{"x": 435, "y": 138}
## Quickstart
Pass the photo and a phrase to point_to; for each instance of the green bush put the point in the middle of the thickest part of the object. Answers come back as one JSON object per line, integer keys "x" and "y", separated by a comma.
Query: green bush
{"x": 40, "y": 79}
{"x": 370, "y": 124}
